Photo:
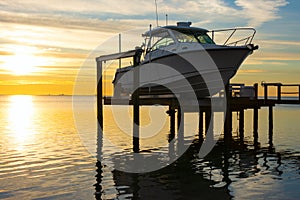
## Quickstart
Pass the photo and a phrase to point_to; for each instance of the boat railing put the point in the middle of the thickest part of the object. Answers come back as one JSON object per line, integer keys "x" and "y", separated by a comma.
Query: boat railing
{"x": 234, "y": 32}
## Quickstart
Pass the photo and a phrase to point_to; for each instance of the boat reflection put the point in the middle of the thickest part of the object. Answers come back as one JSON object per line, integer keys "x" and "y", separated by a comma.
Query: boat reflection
{"x": 193, "y": 178}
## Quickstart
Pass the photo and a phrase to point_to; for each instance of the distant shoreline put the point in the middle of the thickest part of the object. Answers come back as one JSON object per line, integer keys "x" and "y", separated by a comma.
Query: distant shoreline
{"x": 54, "y": 95}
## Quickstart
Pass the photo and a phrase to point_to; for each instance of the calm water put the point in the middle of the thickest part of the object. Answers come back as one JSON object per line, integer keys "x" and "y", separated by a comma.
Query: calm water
{"x": 42, "y": 156}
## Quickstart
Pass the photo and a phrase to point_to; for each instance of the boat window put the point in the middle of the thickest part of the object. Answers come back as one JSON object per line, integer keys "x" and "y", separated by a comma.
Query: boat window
{"x": 202, "y": 38}
{"x": 161, "y": 41}
{"x": 205, "y": 39}
{"x": 181, "y": 37}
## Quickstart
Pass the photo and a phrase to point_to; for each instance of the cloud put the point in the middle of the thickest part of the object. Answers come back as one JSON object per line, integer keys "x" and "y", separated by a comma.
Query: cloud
{"x": 281, "y": 42}
{"x": 260, "y": 11}
{"x": 92, "y": 7}
{"x": 248, "y": 71}
{"x": 95, "y": 15}
{"x": 5, "y": 53}
{"x": 65, "y": 33}
{"x": 63, "y": 21}
{"x": 282, "y": 56}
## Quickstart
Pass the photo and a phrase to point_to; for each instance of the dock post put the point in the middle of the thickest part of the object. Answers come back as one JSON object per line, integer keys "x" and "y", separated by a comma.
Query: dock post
{"x": 180, "y": 134}
{"x": 136, "y": 126}
{"x": 279, "y": 92}
{"x": 99, "y": 98}
{"x": 270, "y": 125}
{"x": 171, "y": 112}
{"x": 209, "y": 123}
{"x": 255, "y": 91}
{"x": 299, "y": 92}
{"x": 207, "y": 120}
{"x": 136, "y": 112}
{"x": 181, "y": 127}
{"x": 136, "y": 100}
{"x": 241, "y": 124}
{"x": 99, "y": 110}
{"x": 201, "y": 136}
{"x": 228, "y": 125}
{"x": 255, "y": 125}
{"x": 228, "y": 115}
{"x": 266, "y": 92}
{"x": 178, "y": 117}
{"x": 99, "y": 171}
{"x": 255, "y": 112}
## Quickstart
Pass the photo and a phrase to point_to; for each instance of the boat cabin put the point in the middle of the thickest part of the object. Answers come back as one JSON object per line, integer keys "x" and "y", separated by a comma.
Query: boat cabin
{"x": 169, "y": 38}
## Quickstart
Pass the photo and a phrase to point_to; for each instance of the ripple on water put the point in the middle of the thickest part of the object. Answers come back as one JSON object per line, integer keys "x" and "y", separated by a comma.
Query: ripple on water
{"x": 51, "y": 163}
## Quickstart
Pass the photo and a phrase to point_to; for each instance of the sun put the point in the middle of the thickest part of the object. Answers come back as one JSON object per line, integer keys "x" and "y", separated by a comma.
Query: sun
{"x": 23, "y": 61}
{"x": 21, "y": 64}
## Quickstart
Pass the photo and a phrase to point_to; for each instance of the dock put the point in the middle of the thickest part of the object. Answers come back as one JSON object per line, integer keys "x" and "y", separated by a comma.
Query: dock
{"x": 238, "y": 99}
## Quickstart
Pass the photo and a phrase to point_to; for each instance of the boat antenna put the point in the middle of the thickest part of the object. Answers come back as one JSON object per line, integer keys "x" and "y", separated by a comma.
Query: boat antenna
{"x": 156, "y": 12}
{"x": 166, "y": 19}
{"x": 150, "y": 38}
{"x": 120, "y": 50}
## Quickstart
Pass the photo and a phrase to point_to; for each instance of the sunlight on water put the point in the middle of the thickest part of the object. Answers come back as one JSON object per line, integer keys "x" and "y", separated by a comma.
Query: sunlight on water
{"x": 42, "y": 155}
{"x": 20, "y": 119}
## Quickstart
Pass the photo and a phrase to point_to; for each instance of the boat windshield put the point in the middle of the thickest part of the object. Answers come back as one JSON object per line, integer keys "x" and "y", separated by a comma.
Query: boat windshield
{"x": 197, "y": 37}
{"x": 164, "y": 38}
{"x": 161, "y": 40}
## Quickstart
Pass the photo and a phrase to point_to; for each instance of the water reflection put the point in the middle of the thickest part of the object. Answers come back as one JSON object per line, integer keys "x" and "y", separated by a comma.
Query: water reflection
{"x": 221, "y": 175}
{"x": 41, "y": 156}
{"x": 53, "y": 163}
{"x": 20, "y": 118}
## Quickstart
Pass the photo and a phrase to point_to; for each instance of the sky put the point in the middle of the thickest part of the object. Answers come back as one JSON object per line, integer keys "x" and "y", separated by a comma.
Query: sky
{"x": 47, "y": 46}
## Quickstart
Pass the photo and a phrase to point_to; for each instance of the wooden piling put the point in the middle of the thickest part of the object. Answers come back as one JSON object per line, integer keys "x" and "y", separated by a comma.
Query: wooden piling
{"x": 181, "y": 127}
{"x": 241, "y": 124}
{"x": 270, "y": 124}
{"x": 99, "y": 110}
{"x": 136, "y": 119}
{"x": 299, "y": 92}
{"x": 180, "y": 135}
{"x": 208, "y": 124}
{"x": 228, "y": 115}
{"x": 255, "y": 124}
{"x": 201, "y": 136}
{"x": 178, "y": 117}
{"x": 171, "y": 113}
{"x": 279, "y": 92}
{"x": 136, "y": 112}
{"x": 98, "y": 186}
{"x": 228, "y": 126}
{"x": 99, "y": 95}
{"x": 255, "y": 91}
{"x": 207, "y": 120}
{"x": 266, "y": 92}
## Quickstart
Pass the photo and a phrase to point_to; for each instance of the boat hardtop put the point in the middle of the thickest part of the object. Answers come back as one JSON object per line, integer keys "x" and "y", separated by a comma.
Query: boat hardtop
{"x": 183, "y": 27}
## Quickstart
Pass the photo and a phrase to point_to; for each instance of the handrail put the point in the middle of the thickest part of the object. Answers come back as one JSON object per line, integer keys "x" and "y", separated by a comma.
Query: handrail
{"x": 248, "y": 39}
{"x": 279, "y": 89}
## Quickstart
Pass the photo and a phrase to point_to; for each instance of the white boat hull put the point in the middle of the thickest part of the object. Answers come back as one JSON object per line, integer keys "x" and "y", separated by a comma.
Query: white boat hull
{"x": 188, "y": 72}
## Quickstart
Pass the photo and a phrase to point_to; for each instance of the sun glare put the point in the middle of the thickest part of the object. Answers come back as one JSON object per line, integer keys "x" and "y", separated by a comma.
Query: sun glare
{"x": 24, "y": 61}
{"x": 20, "y": 114}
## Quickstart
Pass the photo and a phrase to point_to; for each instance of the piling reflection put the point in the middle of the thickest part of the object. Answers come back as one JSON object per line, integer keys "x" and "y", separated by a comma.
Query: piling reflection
{"x": 191, "y": 177}
{"x": 99, "y": 166}
{"x": 98, "y": 184}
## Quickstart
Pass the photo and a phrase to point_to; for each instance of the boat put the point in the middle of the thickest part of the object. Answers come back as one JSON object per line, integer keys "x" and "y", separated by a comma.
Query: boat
{"x": 193, "y": 58}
